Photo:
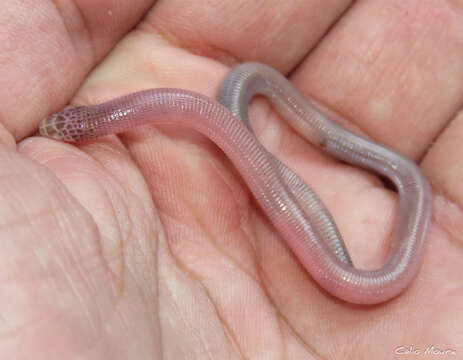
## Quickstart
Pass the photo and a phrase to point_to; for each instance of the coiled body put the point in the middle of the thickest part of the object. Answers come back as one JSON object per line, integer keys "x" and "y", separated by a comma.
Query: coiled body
{"x": 294, "y": 209}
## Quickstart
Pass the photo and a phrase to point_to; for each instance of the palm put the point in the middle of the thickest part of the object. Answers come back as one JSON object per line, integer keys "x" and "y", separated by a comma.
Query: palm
{"x": 150, "y": 246}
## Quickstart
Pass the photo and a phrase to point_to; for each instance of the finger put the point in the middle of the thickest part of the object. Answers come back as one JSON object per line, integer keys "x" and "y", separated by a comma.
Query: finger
{"x": 48, "y": 272}
{"x": 109, "y": 186}
{"x": 442, "y": 165}
{"x": 42, "y": 63}
{"x": 393, "y": 68}
{"x": 277, "y": 33}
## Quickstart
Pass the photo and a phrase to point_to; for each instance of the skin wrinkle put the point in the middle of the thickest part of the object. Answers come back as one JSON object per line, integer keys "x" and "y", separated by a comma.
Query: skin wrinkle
{"x": 225, "y": 323}
{"x": 197, "y": 279}
{"x": 451, "y": 236}
{"x": 29, "y": 220}
{"x": 269, "y": 298}
{"x": 235, "y": 210}
{"x": 83, "y": 20}
{"x": 419, "y": 157}
{"x": 78, "y": 271}
{"x": 86, "y": 27}
{"x": 98, "y": 253}
{"x": 123, "y": 193}
{"x": 77, "y": 53}
{"x": 242, "y": 209}
{"x": 115, "y": 215}
{"x": 436, "y": 180}
{"x": 221, "y": 250}
{"x": 334, "y": 23}
{"x": 58, "y": 208}
{"x": 128, "y": 228}
{"x": 266, "y": 280}
{"x": 124, "y": 240}
{"x": 26, "y": 327}
{"x": 452, "y": 119}
{"x": 211, "y": 52}
{"x": 310, "y": 350}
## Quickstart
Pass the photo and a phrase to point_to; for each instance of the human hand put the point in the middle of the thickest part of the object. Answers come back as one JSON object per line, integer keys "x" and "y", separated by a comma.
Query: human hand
{"x": 149, "y": 244}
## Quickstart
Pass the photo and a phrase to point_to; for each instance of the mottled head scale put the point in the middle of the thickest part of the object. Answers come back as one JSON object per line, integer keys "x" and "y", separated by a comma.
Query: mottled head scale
{"x": 66, "y": 125}
{"x": 52, "y": 126}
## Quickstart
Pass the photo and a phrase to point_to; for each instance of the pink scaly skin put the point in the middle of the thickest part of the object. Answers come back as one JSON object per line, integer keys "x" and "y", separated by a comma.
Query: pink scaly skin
{"x": 294, "y": 209}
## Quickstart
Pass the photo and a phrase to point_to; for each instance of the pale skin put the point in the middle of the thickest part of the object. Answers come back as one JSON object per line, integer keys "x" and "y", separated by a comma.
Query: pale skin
{"x": 149, "y": 245}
